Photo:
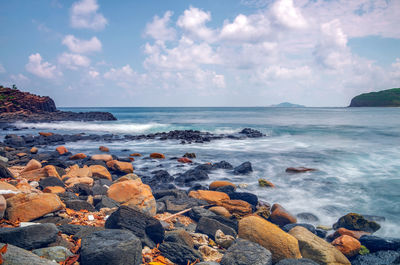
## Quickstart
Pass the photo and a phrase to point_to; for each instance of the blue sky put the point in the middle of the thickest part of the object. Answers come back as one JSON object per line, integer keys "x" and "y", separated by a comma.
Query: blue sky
{"x": 200, "y": 53}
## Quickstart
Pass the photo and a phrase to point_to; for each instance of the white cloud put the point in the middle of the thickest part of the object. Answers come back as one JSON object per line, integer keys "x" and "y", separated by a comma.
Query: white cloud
{"x": 288, "y": 15}
{"x": 279, "y": 72}
{"x": 82, "y": 46}
{"x": 193, "y": 21}
{"x": 125, "y": 76}
{"x": 73, "y": 61}
{"x": 41, "y": 69}
{"x": 84, "y": 15}
{"x": 219, "y": 81}
{"x": 93, "y": 74}
{"x": 395, "y": 73}
{"x": 2, "y": 69}
{"x": 19, "y": 78}
{"x": 159, "y": 28}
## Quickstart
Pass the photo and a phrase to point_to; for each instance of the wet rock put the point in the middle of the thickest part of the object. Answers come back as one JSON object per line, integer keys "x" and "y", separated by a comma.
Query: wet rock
{"x": 222, "y": 165}
{"x": 309, "y": 227}
{"x": 78, "y": 156}
{"x": 179, "y": 253}
{"x": 78, "y": 205}
{"x": 212, "y": 197}
{"x": 258, "y": 230}
{"x": 343, "y": 231}
{"x": 389, "y": 257}
{"x": 317, "y": 249}
{"x": 53, "y": 253}
{"x": 190, "y": 176}
{"x": 157, "y": 156}
{"x": 246, "y": 252}
{"x": 29, "y": 237}
{"x": 184, "y": 160}
{"x": 121, "y": 167}
{"x": 280, "y": 216}
{"x": 348, "y": 245}
{"x": 62, "y": 150}
{"x": 374, "y": 243}
{"x": 190, "y": 155}
{"x": 102, "y": 157}
{"x": 217, "y": 184}
{"x": 251, "y": 133}
{"x": 111, "y": 247}
{"x": 139, "y": 223}
{"x": 308, "y": 217}
{"x": 104, "y": 149}
{"x": 19, "y": 256}
{"x": 198, "y": 212}
{"x": 243, "y": 169}
{"x": 299, "y": 169}
{"x": 296, "y": 262}
{"x": 210, "y": 226}
{"x": 162, "y": 176}
{"x": 244, "y": 196}
{"x": 353, "y": 221}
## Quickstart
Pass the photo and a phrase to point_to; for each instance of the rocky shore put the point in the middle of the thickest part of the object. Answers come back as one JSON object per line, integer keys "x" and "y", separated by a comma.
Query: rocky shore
{"x": 69, "y": 208}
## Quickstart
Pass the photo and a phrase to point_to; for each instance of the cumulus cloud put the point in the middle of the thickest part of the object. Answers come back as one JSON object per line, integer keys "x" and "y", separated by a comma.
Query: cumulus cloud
{"x": 193, "y": 21}
{"x": 82, "y": 46}
{"x": 19, "y": 78}
{"x": 159, "y": 28}
{"x": 84, "y": 14}
{"x": 73, "y": 61}
{"x": 93, "y": 74}
{"x": 41, "y": 69}
{"x": 125, "y": 76}
{"x": 280, "y": 72}
{"x": 288, "y": 15}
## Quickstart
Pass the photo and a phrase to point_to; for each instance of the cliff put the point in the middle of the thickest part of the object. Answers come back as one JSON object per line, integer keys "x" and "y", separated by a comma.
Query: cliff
{"x": 384, "y": 98}
{"x": 12, "y": 100}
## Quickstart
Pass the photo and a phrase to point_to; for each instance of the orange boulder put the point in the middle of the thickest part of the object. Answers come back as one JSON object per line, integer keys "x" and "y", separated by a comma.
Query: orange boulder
{"x": 348, "y": 245}
{"x": 7, "y": 186}
{"x": 33, "y": 150}
{"x": 219, "y": 210}
{"x": 51, "y": 171}
{"x": 104, "y": 149}
{"x": 78, "y": 156}
{"x": 135, "y": 154}
{"x": 54, "y": 189}
{"x": 62, "y": 150}
{"x": 184, "y": 160}
{"x": 280, "y": 216}
{"x": 99, "y": 171}
{"x": 103, "y": 157}
{"x": 355, "y": 234}
{"x": 213, "y": 197}
{"x": 21, "y": 154}
{"x": 237, "y": 207}
{"x": 32, "y": 165}
{"x": 216, "y": 184}
{"x": 46, "y": 134}
{"x": 124, "y": 167}
{"x": 157, "y": 155}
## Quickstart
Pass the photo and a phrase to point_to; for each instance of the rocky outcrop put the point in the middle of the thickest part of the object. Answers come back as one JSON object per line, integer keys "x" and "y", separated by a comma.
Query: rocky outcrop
{"x": 384, "y": 98}
{"x": 13, "y": 100}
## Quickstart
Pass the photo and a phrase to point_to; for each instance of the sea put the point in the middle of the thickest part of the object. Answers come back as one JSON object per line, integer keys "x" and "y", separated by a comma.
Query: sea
{"x": 356, "y": 152}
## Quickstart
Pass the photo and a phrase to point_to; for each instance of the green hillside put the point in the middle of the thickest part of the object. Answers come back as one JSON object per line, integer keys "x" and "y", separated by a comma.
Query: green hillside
{"x": 384, "y": 98}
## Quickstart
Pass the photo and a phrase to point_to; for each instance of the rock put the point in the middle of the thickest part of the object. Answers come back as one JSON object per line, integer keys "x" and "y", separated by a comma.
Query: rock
{"x": 102, "y": 157}
{"x": 309, "y": 227}
{"x": 32, "y": 165}
{"x": 389, "y": 257}
{"x": 210, "y": 226}
{"x": 197, "y": 212}
{"x": 353, "y": 221}
{"x": 270, "y": 236}
{"x": 111, "y": 247}
{"x": 223, "y": 240}
{"x": 19, "y": 256}
{"x": 212, "y": 197}
{"x": 219, "y": 210}
{"x": 33, "y": 150}
{"x": 236, "y": 207}
{"x": 308, "y": 217}
{"x": 3, "y": 206}
{"x": 50, "y": 182}
{"x": 104, "y": 149}
{"x": 299, "y": 169}
{"x": 199, "y": 239}
{"x": 209, "y": 253}
{"x": 280, "y": 216}
{"x": 77, "y": 181}
{"x": 4, "y": 172}
{"x": 190, "y": 155}
{"x": 134, "y": 194}
{"x": 265, "y": 183}
{"x": 75, "y": 171}
{"x": 135, "y": 154}
{"x": 263, "y": 211}
{"x": 232, "y": 223}
{"x": 54, "y": 189}
{"x": 179, "y": 253}
{"x": 179, "y": 236}
{"x": 348, "y": 245}
{"x": 174, "y": 205}
{"x": 79, "y": 231}
{"x": 100, "y": 172}
{"x": 129, "y": 176}
{"x": 78, "y": 156}
{"x": 27, "y": 207}
{"x": 296, "y": 262}
{"x": 243, "y": 169}
{"x": 162, "y": 176}
{"x": 29, "y": 237}
{"x": 244, "y": 196}
{"x": 317, "y": 249}
{"x": 184, "y": 160}
{"x": 106, "y": 202}
{"x": 78, "y": 205}
{"x": 217, "y": 184}
{"x": 221, "y": 165}
{"x": 157, "y": 156}
{"x": 124, "y": 167}
{"x": 57, "y": 253}
{"x": 251, "y": 133}
{"x": 190, "y": 176}
{"x": 8, "y": 187}
{"x": 343, "y": 231}
{"x": 139, "y": 223}
{"x": 62, "y": 150}
{"x": 246, "y": 252}
{"x": 46, "y": 134}
{"x": 374, "y": 243}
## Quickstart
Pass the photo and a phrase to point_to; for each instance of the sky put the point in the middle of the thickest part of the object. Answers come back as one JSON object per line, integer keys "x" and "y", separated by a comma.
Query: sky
{"x": 200, "y": 52}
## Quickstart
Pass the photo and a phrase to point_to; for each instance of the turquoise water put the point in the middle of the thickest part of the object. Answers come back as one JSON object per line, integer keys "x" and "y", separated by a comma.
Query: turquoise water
{"x": 356, "y": 152}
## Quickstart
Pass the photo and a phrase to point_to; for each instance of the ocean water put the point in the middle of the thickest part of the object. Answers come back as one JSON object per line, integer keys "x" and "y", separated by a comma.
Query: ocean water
{"x": 356, "y": 152}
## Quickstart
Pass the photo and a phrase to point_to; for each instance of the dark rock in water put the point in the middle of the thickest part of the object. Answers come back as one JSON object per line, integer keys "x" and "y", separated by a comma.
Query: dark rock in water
{"x": 251, "y": 133}
{"x": 190, "y": 155}
{"x": 227, "y": 189}
{"x": 106, "y": 202}
{"x": 243, "y": 169}
{"x": 179, "y": 236}
{"x": 204, "y": 167}
{"x": 299, "y": 169}
{"x": 296, "y": 262}
{"x": 139, "y": 223}
{"x": 179, "y": 253}
{"x": 197, "y": 186}
{"x": 246, "y": 252}
{"x": 78, "y": 205}
{"x": 29, "y": 237}
{"x": 190, "y": 176}
{"x": 209, "y": 226}
{"x": 19, "y": 256}
{"x": 321, "y": 233}
{"x": 172, "y": 192}
{"x": 197, "y": 212}
{"x": 309, "y": 227}
{"x": 378, "y": 258}
{"x": 353, "y": 221}
{"x": 14, "y": 140}
{"x": 374, "y": 243}
{"x": 162, "y": 176}
{"x": 4, "y": 172}
{"x": 222, "y": 165}
{"x": 244, "y": 196}
{"x": 111, "y": 247}
{"x": 307, "y": 217}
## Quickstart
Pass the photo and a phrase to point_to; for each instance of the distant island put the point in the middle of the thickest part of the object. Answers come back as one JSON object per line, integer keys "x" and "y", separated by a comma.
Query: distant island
{"x": 384, "y": 98}
{"x": 287, "y": 105}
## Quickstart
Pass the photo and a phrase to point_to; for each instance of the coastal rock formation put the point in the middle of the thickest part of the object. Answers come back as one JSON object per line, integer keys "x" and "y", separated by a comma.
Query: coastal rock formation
{"x": 384, "y": 98}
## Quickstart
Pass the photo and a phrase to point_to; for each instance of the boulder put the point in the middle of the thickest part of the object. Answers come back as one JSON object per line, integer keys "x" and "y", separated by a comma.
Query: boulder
{"x": 33, "y": 150}
{"x": 123, "y": 167}
{"x": 179, "y": 236}
{"x": 280, "y": 216}
{"x": 4, "y": 172}
{"x": 54, "y": 189}
{"x": 354, "y": 221}
{"x": 157, "y": 156}
{"x": 236, "y": 207}
{"x": 246, "y": 252}
{"x": 111, "y": 247}
{"x": 374, "y": 243}
{"x": 243, "y": 169}
{"x": 78, "y": 205}
{"x": 258, "y": 230}
{"x": 223, "y": 240}
{"x": 184, "y": 160}
{"x": 106, "y": 202}
{"x": 348, "y": 245}
{"x": 133, "y": 193}
{"x": 29, "y": 237}
{"x": 265, "y": 183}
{"x": 219, "y": 210}
{"x": 190, "y": 176}
{"x": 8, "y": 187}
{"x": 388, "y": 257}
{"x": 179, "y": 253}
{"x": 244, "y": 196}
{"x": 317, "y": 249}
{"x": 198, "y": 212}
{"x": 217, "y": 184}
{"x": 355, "y": 234}
{"x": 62, "y": 150}
{"x": 46, "y": 134}
{"x": 32, "y": 165}
{"x": 100, "y": 172}
{"x": 212, "y": 197}
{"x": 20, "y": 256}
{"x": 102, "y": 157}
{"x": 77, "y": 156}
{"x": 51, "y": 171}
{"x": 209, "y": 253}
{"x": 135, "y": 154}
{"x": 27, "y": 207}
{"x": 210, "y": 226}
{"x": 57, "y": 253}
{"x": 104, "y": 149}
{"x": 50, "y": 182}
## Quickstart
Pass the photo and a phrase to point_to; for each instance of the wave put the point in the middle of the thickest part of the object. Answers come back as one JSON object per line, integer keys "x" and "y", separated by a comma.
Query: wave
{"x": 95, "y": 127}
